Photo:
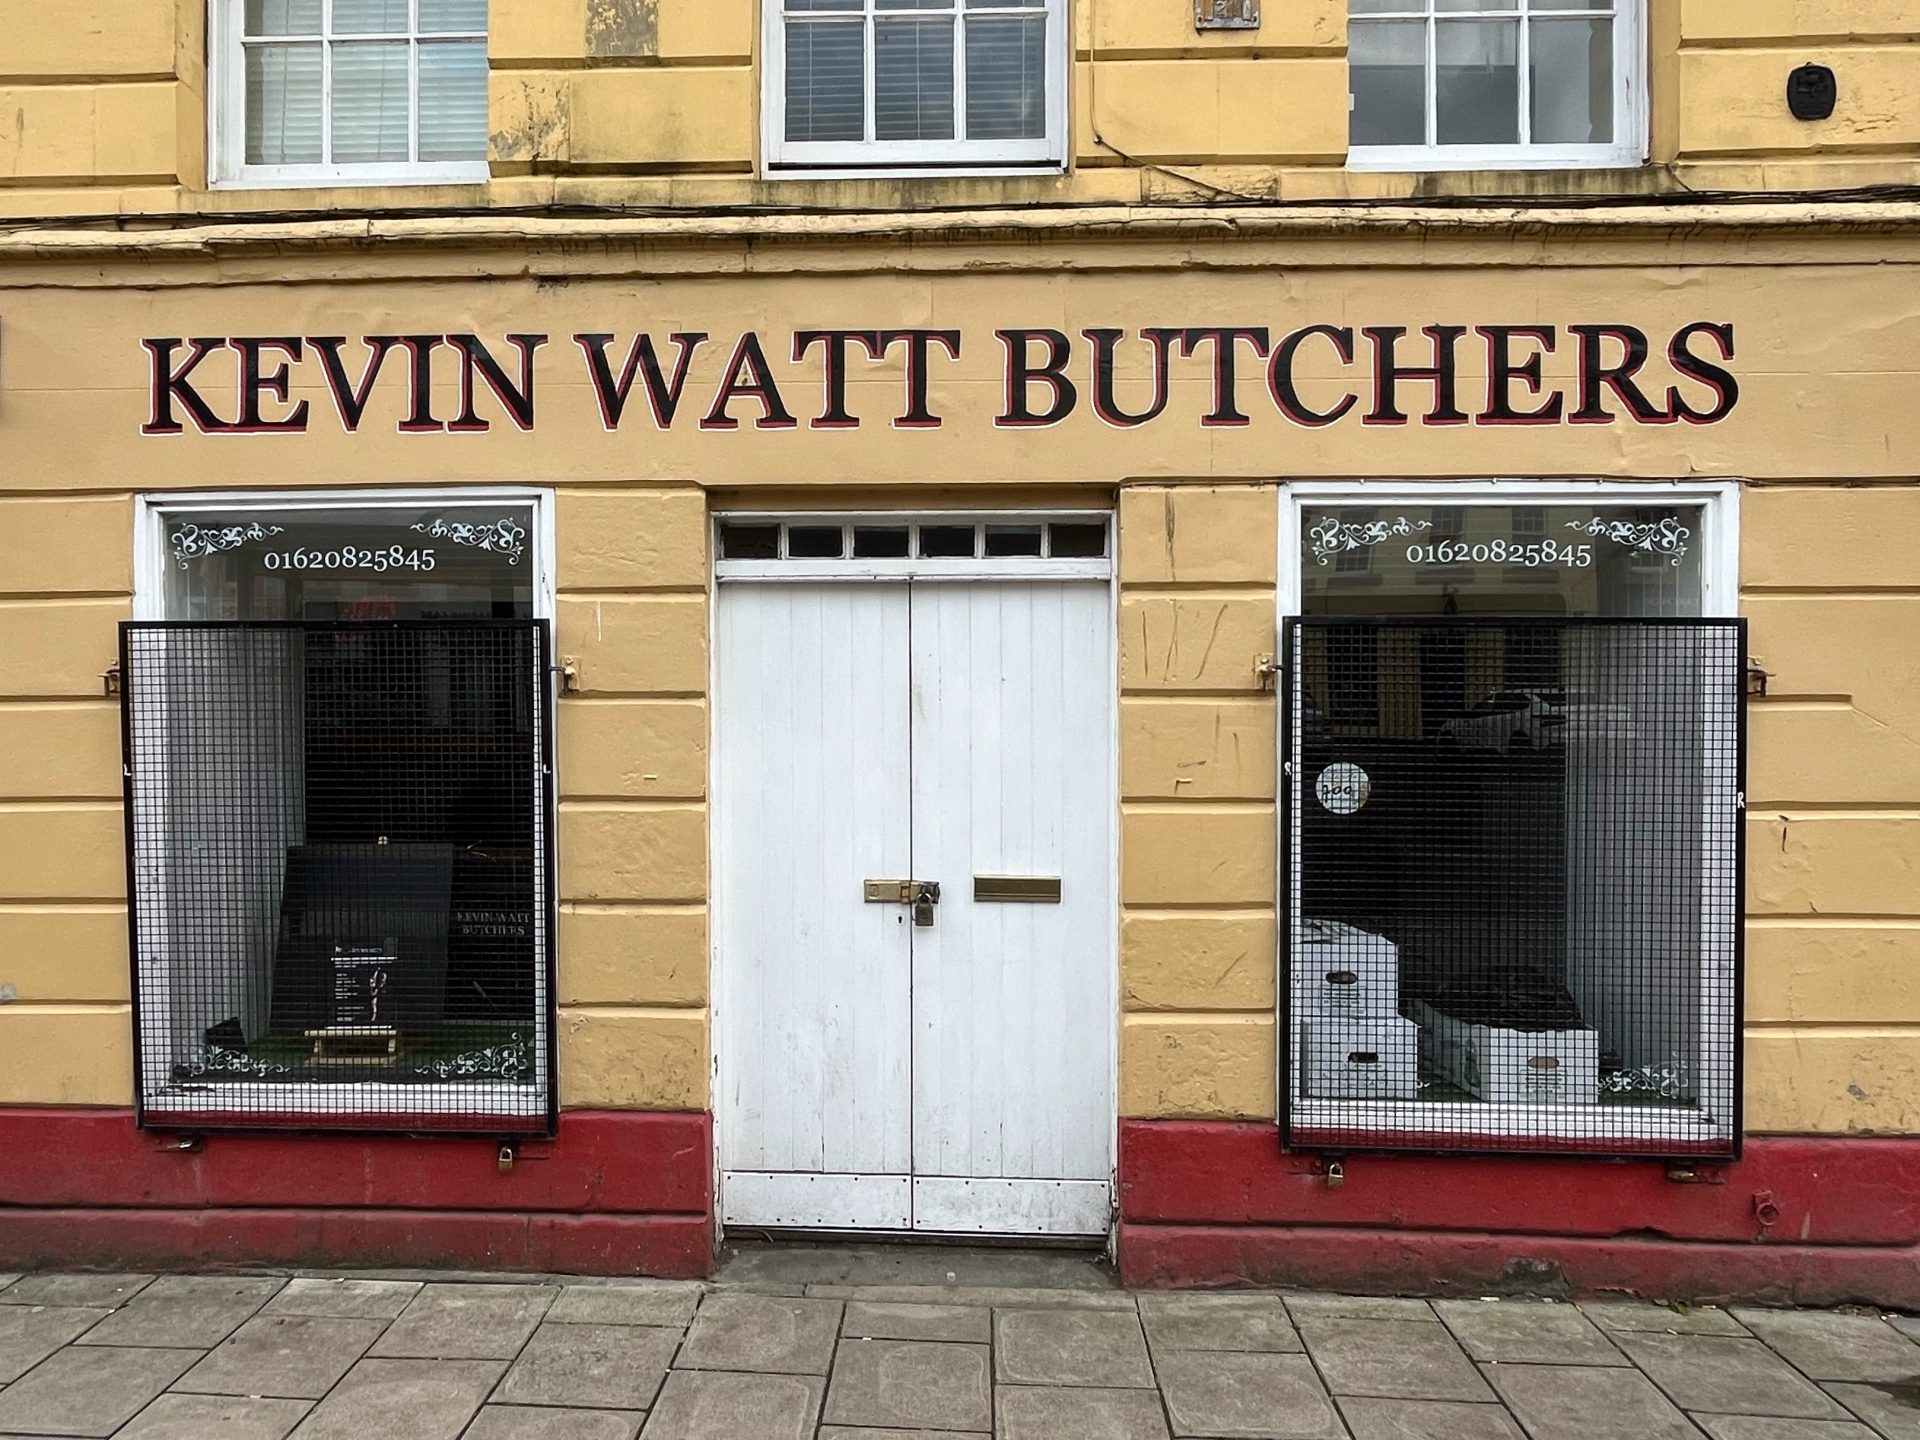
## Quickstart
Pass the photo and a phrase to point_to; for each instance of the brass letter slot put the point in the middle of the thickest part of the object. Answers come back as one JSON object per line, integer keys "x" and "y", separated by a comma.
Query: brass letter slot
{"x": 1024, "y": 889}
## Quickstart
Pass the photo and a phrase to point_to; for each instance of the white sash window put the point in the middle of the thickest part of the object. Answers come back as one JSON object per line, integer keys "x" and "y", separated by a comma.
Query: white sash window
{"x": 350, "y": 92}
{"x": 905, "y": 84}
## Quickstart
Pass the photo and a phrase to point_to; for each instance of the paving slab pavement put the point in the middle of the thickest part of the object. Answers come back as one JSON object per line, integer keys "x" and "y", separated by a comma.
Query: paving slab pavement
{"x": 832, "y": 1343}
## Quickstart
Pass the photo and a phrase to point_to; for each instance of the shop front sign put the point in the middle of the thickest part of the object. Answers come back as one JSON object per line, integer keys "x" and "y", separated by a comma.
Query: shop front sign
{"x": 1310, "y": 377}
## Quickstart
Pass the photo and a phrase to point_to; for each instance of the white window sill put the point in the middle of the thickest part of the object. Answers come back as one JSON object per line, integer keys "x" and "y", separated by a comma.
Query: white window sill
{"x": 962, "y": 170}
{"x": 1436, "y": 159}
{"x": 345, "y": 177}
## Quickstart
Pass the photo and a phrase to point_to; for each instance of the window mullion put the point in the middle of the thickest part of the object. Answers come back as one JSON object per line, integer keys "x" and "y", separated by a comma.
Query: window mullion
{"x": 960, "y": 72}
{"x": 1523, "y": 59}
{"x": 413, "y": 82}
{"x": 326, "y": 82}
{"x": 1433, "y": 78}
{"x": 870, "y": 82}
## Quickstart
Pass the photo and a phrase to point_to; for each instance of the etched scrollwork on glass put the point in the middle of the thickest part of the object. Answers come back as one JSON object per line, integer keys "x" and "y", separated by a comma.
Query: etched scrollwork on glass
{"x": 510, "y": 1061}
{"x": 1656, "y": 537}
{"x": 1336, "y": 537}
{"x": 496, "y": 537}
{"x": 196, "y": 542}
{"x": 219, "y": 1060}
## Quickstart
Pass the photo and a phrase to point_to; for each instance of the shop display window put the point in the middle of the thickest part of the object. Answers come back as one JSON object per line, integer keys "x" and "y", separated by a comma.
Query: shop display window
{"x": 339, "y": 820}
{"x": 1514, "y": 753}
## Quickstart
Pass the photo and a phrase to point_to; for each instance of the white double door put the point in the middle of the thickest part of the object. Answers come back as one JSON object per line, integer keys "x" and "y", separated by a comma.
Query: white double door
{"x": 950, "y": 1071}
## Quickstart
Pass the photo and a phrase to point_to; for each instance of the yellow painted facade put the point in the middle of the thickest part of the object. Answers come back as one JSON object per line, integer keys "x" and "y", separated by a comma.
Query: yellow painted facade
{"x": 657, "y": 104}
{"x": 594, "y": 106}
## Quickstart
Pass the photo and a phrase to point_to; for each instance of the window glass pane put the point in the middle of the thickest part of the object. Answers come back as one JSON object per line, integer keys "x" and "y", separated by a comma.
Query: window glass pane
{"x": 815, "y": 542}
{"x": 1078, "y": 540}
{"x": 1387, "y": 70}
{"x": 1443, "y": 6}
{"x": 749, "y": 542}
{"x": 913, "y": 80}
{"x": 1580, "y": 560}
{"x": 283, "y": 17}
{"x": 1572, "y": 82}
{"x": 1388, "y": 7}
{"x": 453, "y": 100}
{"x": 1007, "y": 77}
{"x": 370, "y": 103}
{"x": 880, "y": 542}
{"x": 369, "y": 17}
{"x": 440, "y": 16}
{"x": 390, "y": 563}
{"x": 1009, "y": 541}
{"x": 950, "y": 541}
{"x": 283, "y": 105}
{"x": 1477, "y": 82}
{"x": 803, "y": 5}
{"x": 826, "y": 81}
{"x": 913, "y": 4}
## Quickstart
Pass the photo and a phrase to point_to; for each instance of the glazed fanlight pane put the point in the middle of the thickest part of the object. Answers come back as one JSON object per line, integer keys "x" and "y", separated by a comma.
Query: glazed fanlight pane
{"x": 948, "y": 541}
{"x": 750, "y": 542}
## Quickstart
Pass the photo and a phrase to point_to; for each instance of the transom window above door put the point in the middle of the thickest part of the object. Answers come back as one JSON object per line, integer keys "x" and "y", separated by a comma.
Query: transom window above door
{"x": 900, "y": 85}
{"x": 350, "y": 92}
{"x": 1486, "y": 84}
{"x": 1015, "y": 545}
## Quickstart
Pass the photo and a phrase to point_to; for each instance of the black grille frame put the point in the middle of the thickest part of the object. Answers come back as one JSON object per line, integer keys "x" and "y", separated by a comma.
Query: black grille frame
{"x": 1302, "y": 1119}
{"x": 519, "y": 651}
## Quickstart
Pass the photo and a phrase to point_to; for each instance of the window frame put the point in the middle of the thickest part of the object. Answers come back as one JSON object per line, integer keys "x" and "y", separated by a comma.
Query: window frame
{"x": 831, "y": 159}
{"x": 322, "y": 1105}
{"x": 1631, "y": 78}
{"x": 1654, "y": 1130}
{"x": 227, "y": 165}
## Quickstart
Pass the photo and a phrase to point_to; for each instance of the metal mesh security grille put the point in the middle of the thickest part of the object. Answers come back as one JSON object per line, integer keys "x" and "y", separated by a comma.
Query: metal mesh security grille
{"x": 1514, "y": 861}
{"x": 340, "y": 863}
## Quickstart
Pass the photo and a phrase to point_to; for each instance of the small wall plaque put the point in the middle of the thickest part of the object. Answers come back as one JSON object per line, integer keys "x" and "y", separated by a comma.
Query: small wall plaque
{"x": 1226, "y": 14}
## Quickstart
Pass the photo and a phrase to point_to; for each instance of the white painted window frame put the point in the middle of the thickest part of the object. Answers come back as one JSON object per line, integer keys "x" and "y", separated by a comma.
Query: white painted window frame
{"x": 1716, "y": 1118}
{"x": 365, "y": 1099}
{"x": 1630, "y": 106}
{"x": 789, "y": 571}
{"x": 227, "y": 114}
{"x": 904, "y": 159}
{"x": 912, "y": 567}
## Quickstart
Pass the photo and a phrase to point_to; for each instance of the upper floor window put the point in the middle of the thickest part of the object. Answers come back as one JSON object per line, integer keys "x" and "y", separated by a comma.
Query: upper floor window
{"x": 1486, "y": 84}
{"x": 344, "y": 92}
{"x": 903, "y": 84}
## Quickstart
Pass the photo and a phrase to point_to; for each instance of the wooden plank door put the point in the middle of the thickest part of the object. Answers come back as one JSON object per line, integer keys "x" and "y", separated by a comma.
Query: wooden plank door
{"x": 1013, "y": 999}
{"x": 812, "y": 1002}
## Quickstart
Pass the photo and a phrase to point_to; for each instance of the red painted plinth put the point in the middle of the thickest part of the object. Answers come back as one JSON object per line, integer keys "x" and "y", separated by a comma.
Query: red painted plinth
{"x": 1800, "y": 1219}
{"x": 613, "y": 1193}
